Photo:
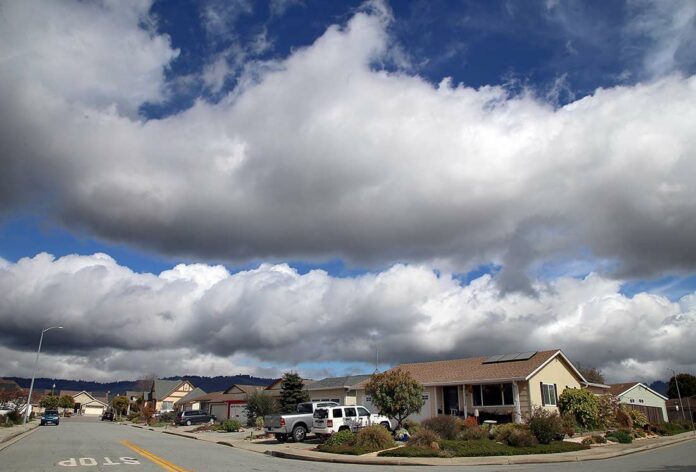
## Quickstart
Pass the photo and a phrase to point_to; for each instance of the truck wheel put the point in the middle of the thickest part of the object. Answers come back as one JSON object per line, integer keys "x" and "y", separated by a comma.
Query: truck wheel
{"x": 281, "y": 438}
{"x": 299, "y": 433}
{"x": 343, "y": 428}
{"x": 386, "y": 425}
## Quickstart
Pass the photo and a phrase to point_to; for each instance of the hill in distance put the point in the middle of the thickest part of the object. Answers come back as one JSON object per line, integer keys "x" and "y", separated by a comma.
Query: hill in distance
{"x": 208, "y": 384}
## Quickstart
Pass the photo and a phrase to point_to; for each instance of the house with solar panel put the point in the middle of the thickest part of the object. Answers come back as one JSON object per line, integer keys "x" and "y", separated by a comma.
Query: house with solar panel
{"x": 504, "y": 387}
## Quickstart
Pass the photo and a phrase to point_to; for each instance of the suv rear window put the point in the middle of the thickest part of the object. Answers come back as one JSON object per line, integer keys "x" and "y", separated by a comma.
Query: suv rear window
{"x": 321, "y": 413}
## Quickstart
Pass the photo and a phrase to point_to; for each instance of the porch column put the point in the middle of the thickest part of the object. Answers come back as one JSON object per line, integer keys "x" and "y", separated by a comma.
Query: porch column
{"x": 466, "y": 409}
{"x": 516, "y": 401}
{"x": 435, "y": 391}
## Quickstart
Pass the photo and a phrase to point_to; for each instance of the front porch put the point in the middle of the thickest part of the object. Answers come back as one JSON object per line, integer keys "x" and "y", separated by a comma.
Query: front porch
{"x": 499, "y": 401}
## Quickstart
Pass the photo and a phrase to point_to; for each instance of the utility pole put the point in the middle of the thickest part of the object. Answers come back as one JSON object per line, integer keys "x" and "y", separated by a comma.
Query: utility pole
{"x": 33, "y": 375}
{"x": 676, "y": 382}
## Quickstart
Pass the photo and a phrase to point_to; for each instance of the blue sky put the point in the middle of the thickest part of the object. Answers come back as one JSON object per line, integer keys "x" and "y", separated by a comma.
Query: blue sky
{"x": 458, "y": 164}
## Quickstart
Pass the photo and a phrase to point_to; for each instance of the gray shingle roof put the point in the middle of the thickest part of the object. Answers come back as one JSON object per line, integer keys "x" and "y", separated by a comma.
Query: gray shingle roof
{"x": 348, "y": 381}
{"x": 162, "y": 387}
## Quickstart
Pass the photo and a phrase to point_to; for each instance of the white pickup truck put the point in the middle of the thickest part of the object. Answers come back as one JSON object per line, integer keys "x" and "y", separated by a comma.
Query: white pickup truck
{"x": 329, "y": 420}
{"x": 294, "y": 425}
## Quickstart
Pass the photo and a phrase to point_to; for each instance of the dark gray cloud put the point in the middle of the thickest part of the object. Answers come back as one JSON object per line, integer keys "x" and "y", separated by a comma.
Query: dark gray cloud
{"x": 201, "y": 319}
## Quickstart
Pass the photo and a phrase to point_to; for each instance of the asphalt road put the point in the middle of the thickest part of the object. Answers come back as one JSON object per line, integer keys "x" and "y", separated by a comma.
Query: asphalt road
{"x": 88, "y": 444}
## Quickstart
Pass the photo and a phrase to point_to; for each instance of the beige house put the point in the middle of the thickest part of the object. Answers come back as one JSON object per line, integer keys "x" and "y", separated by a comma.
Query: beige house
{"x": 228, "y": 404}
{"x": 88, "y": 404}
{"x": 190, "y": 400}
{"x": 165, "y": 393}
{"x": 503, "y": 387}
{"x": 347, "y": 390}
{"x": 640, "y": 397}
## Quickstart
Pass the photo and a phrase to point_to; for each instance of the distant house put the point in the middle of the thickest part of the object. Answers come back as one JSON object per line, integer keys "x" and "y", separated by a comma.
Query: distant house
{"x": 7, "y": 385}
{"x": 346, "y": 390}
{"x": 640, "y": 397}
{"x": 504, "y": 387}
{"x": 87, "y": 404}
{"x": 189, "y": 402}
{"x": 228, "y": 404}
{"x": 165, "y": 393}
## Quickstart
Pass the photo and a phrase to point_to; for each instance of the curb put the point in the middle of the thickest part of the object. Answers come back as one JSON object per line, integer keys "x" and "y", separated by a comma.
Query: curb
{"x": 181, "y": 435}
{"x": 13, "y": 438}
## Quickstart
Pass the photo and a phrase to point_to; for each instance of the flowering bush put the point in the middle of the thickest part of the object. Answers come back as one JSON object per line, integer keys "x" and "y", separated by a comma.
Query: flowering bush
{"x": 582, "y": 404}
{"x": 544, "y": 425}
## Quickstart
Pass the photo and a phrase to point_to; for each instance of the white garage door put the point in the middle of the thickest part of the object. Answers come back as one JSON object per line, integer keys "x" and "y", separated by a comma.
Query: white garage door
{"x": 219, "y": 411}
{"x": 93, "y": 410}
{"x": 239, "y": 413}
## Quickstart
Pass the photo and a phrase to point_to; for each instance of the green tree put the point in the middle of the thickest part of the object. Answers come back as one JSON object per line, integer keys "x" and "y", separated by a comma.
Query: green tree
{"x": 120, "y": 404}
{"x": 687, "y": 386}
{"x": 396, "y": 394}
{"x": 258, "y": 405}
{"x": 66, "y": 402}
{"x": 49, "y": 402}
{"x": 592, "y": 374}
{"x": 582, "y": 403}
{"x": 292, "y": 392}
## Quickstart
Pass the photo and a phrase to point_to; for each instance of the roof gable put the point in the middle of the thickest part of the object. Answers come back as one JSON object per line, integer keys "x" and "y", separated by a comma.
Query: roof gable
{"x": 348, "y": 382}
{"x": 162, "y": 388}
{"x": 621, "y": 389}
{"x": 237, "y": 388}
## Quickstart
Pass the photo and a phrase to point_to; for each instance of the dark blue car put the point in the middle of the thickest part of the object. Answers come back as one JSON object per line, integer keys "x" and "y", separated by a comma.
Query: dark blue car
{"x": 50, "y": 417}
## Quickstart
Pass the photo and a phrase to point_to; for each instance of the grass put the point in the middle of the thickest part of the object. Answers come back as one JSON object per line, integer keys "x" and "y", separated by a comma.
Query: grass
{"x": 345, "y": 449}
{"x": 482, "y": 448}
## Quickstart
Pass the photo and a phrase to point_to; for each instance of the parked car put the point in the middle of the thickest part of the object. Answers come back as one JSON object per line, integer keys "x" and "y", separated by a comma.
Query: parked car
{"x": 193, "y": 416}
{"x": 50, "y": 417}
{"x": 108, "y": 416}
{"x": 294, "y": 425}
{"x": 331, "y": 420}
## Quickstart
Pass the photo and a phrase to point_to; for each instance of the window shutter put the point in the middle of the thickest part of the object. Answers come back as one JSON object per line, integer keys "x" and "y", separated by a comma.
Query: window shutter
{"x": 543, "y": 400}
{"x": 555, "y": 393}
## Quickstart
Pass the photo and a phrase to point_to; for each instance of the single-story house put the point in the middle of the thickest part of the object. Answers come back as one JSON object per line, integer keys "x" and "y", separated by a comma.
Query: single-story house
{"x": 183, "y": 403}
{"x": 640, "y": 397}
{"x": 596, "y": 388}
{"x": 87, "y": 403}
{"x": 165, "y": 393}
{"x": 681, "y": 410}
{"x": 346, "y": 390}
{"x": 504, "y": 387}
{"x": 228, "y": 404}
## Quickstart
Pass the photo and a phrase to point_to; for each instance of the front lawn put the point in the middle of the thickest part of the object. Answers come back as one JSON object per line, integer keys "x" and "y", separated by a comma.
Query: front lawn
{"x": 482, "y": 447}
{"x": 345, "y": 449}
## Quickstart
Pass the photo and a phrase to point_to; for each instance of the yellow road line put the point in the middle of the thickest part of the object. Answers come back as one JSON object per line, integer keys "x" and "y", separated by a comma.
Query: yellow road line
{"x": 165, "y": 464}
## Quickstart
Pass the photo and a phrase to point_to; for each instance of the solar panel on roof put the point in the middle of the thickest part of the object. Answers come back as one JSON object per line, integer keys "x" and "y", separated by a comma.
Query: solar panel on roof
{"x": 523, "y": 356}
{"x": 492, "y": 359}
{"x": 516, "y": 356}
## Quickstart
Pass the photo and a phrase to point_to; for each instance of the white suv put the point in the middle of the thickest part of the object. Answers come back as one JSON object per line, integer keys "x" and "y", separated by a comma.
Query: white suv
{"x": 330, "y": 420}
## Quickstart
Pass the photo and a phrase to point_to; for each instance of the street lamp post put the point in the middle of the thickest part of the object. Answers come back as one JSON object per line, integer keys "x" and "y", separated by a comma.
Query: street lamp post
{"x": 33, "y": 375}
{"x": 676, "y": 382}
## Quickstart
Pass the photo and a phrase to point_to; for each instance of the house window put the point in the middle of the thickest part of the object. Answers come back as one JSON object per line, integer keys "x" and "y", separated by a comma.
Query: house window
{"x": 167, "y": 406}
{"x": 493, "y": 395}
{"x": 640, "y": 400}
{"x": 548, "y": 394}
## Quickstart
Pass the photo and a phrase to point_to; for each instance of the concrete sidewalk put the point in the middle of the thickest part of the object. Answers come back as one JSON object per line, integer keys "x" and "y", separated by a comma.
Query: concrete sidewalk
{"x": 304, "y": 451}
{"x": 11, "y": 435}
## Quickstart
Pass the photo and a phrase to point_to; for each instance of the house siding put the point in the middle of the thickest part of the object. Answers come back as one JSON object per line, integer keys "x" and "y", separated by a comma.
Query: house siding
{"x": 649, "y": 399}
{"x": 339, "y": 394}
{"x": 556, "y": 372}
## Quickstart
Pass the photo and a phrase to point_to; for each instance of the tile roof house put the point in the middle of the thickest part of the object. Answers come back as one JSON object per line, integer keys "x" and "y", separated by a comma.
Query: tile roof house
{"x": 640, "y": 397}
{"x": 503, "y": 387}
{"x": 184, "y": 404}
{"x": 228, "y": 404}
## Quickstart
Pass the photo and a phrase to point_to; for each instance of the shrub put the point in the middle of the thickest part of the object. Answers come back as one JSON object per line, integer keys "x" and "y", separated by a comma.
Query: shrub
{"x": 231, "y": 426}
{"x": 587, "y": 441}
{"x": 412, "y": 426}
{"x": 638, "y": 418}
{"x": 607, "y": 405}
{"x": 167, "y": 417}
{"x": 623, "y": 419}
{"x": 133, "y": 416}
{"x": 569, "y": 424}
{"x": 446, "y": 427}
{"x": 599, "y": 439}
{"x": 544, "y": 425}
{"x": 521, "y": 438}
{"x": 470, "y": 422}
{"x": 502, "y": 432}
{"x": 468, "y": 434}
{"x": 260, "y": 404}
{"x": 621, "y": 436}
{"x": 374, "y": 438}
{"x": 342, "y": 438}
{"x": 423, "y": 438}
{"x": 582, "y": 404}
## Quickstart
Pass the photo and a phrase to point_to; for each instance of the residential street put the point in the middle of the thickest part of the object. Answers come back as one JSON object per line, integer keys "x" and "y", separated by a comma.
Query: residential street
{"x": 87, "y": 443}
